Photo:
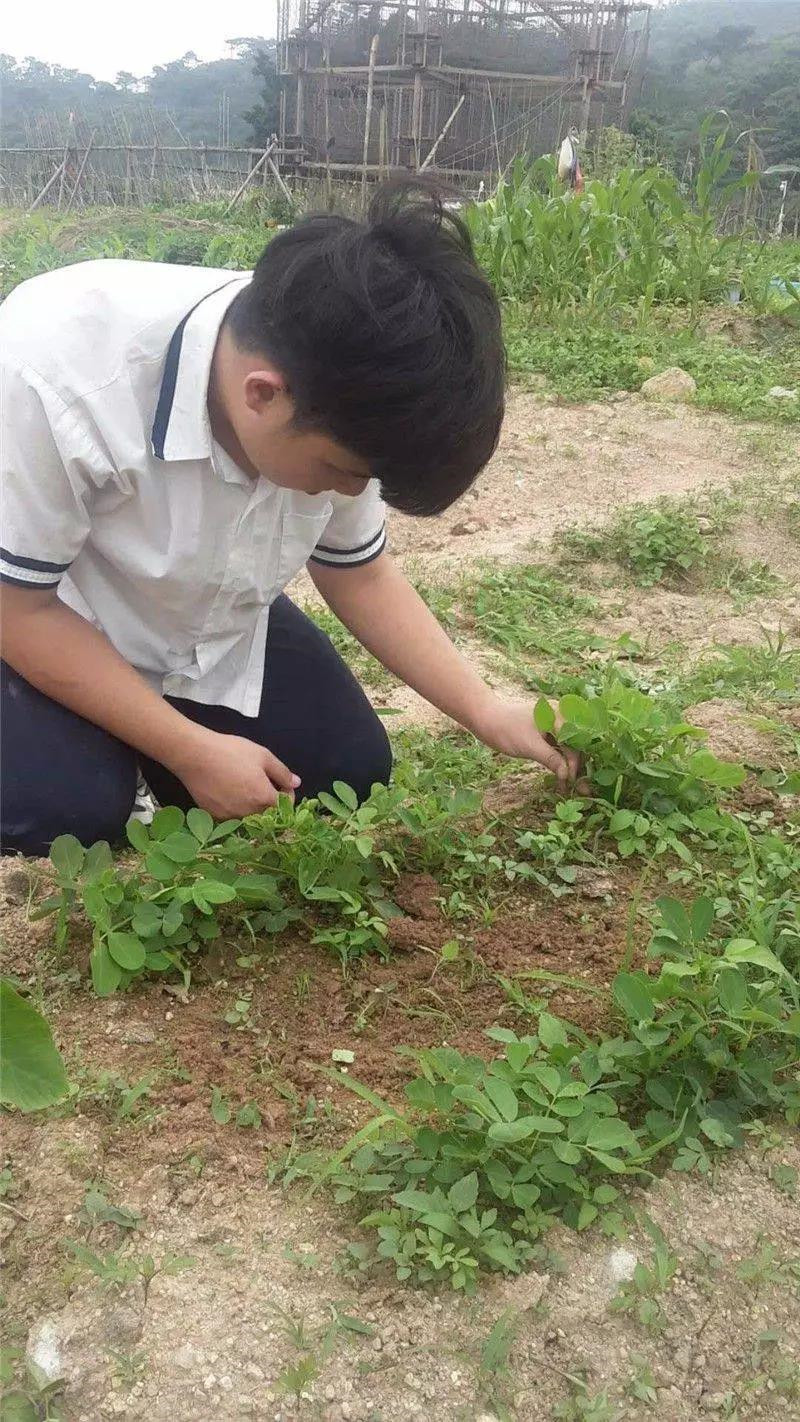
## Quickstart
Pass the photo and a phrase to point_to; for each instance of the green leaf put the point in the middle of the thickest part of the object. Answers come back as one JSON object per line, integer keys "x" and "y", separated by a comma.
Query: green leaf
{"x": 180, "y": 847}
{"x": 32, "y": 1073}
{"x": 200, "y": 823}
{"x": 702, "y": 917}
{"x": 551, "y": 1031}
{"x": 159, "y": 866}
{"x": 507, "y": 1132}
{"x": 632, "y": 992}
{"x": 544, "y": 717}
{"x": 347, "y": 796}
{"x": 586, "y": 1214}
{"x": 127, "y": 950}
{"x": 106, "y": 974}
{"x": 464, "y": 1193}
{"x": 138, "y": 835}
{"x": 220, "y": 1107}
{"x": 67, "y": 855}
{"x": 517, "y": 1054}
{"x": 675, "y": 918}
{"x": 612, "y": 1134}
{"x": 501, "y": 1096}
{"x": 17, "y": 1407}
{"x": 167, "y": 821}
{"x": 548, "y": 1076}
{"x": 214, "y": 891}
{"x": 98, "y": 859}
{"x": 411, "y": 1199}
{"x": 746, "y": 950}
{"x": 732, "y": 989}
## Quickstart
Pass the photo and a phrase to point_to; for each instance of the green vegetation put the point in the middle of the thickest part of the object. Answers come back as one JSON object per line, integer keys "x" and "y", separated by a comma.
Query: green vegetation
{"x": 468, "y": 1175}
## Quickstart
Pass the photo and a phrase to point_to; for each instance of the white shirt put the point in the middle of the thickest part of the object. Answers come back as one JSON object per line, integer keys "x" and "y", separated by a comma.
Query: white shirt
{"x": 114, "y": 490}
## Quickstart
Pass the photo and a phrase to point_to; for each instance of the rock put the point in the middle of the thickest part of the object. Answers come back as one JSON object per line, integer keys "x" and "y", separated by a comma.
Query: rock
{"x": 712, "y": 1401}
{"x": 621, "y": 1264}
{"x": 705, "y": 525}
{"x": 136, "y": 1034}
{"x": 780, "y": 392}
{"x": 593, "y": 883}
{"x": 670, "y": 384}
{"x": 469, "y": 525}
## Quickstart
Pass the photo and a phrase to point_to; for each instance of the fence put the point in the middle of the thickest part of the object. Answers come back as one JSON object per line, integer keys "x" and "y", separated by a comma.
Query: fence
{"x": 102, "y": 174}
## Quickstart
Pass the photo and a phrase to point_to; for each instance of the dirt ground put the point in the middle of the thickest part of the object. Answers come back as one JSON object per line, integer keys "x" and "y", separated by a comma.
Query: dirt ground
{"x": 267, "y": 1269}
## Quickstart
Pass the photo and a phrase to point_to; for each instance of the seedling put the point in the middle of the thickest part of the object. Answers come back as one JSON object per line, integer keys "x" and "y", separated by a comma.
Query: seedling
{"x": 642, "y": 1385}
{"x": 640, "y": 1295}
{"x": 115, "y": 1270}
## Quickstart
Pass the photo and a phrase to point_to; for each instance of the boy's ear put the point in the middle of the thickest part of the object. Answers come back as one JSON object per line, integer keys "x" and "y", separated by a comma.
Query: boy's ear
{"x": 262, "y": 388}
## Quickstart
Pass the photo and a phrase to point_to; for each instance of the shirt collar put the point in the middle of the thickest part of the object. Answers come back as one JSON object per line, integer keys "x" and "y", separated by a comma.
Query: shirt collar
{"x": 181, "y": 428}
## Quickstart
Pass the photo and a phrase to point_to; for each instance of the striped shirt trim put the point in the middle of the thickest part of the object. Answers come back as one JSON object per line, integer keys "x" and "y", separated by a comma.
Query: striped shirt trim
{"x": 30, "y": 572}
{"x": 169, "y": 379}
{"x": 36, "y": 565}
{"x": 350, "y": 557}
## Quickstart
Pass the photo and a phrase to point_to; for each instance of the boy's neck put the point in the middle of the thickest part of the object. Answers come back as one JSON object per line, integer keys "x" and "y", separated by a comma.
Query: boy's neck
{"x": 223, "y": 370}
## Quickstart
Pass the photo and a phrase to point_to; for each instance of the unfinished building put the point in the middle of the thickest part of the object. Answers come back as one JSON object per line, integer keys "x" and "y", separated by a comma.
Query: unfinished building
{"x": 458, "y": 87}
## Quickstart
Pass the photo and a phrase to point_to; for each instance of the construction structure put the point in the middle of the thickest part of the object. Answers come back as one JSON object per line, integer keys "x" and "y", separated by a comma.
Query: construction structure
{"x": 456, "y": 86}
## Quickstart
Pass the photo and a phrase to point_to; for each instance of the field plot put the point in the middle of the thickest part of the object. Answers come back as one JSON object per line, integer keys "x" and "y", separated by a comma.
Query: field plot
{"x": 163, "y": 1252}
{"x": 471, "y": 1103}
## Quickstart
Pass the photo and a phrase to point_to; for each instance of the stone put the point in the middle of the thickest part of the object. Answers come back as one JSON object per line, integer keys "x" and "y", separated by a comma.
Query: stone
{"x": 705, "y": 525}
{"x": 780, "y": 392}
{"x": 670, "y": 384}
{"x": 136, "y": 1034}
{"x": 469, "y": 526}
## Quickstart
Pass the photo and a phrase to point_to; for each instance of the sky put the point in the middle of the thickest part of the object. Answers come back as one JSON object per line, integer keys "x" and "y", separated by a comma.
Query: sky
{"x": 91, "y": 35}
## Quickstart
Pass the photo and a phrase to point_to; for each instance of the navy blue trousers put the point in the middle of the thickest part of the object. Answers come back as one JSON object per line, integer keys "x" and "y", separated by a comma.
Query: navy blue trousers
{"x": 61, "y": 774}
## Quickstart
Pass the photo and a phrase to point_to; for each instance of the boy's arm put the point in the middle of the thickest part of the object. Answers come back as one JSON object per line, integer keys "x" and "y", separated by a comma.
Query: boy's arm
{"x": 70, "y": 661}
{"x": 379, "y": 606}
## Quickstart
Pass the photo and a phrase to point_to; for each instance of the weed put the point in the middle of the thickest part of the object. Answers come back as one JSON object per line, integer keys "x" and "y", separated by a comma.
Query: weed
{"x": 767, "y": 670}
{"x": 584, "y": 1406}
{"x": 656, "y": 542}
{"x": 27, "y": 1394}
{"x": 494, "y": 1371}
{"x": 767, "y": 1267}
{"x": 639, "y": 1296}
{"x": 118, "y": 1270}
{"x": 641, "y": 1385}
{"x": 785, "y": 1178}
{"x": 128, "y": 1367}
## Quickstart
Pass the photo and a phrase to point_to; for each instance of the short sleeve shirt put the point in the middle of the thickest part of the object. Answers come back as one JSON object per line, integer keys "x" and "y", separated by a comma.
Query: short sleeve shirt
{"x": 115, "y": 492}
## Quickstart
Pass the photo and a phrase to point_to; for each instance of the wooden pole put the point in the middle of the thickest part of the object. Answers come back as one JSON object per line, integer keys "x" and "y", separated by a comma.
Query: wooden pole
{"x": 81, "y": 170}
{"x": 48, "y": 185}
{"x": 432, "y": 153}
{"x": 328, "y": 179}
{"x": 256, "y": 168}
{"x": 373, "y": 55}
{"x": 494, "y": 130}
{"x": 275, "y": 171}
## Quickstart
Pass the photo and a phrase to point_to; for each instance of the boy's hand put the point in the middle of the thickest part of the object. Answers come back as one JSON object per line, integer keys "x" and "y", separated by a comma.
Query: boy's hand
{"x": 508, "y": 726}
{"x": 232, "y": 777}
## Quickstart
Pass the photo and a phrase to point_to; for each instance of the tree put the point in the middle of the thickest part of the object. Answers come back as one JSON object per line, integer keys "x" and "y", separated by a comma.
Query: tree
{"x": 263, "y": 116}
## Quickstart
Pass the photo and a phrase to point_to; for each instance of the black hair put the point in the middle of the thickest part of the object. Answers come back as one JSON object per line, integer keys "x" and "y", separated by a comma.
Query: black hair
{"x": 388, "y": 335}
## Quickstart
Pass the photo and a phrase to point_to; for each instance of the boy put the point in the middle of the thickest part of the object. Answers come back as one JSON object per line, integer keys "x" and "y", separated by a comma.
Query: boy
{"x": 176, "y": 444}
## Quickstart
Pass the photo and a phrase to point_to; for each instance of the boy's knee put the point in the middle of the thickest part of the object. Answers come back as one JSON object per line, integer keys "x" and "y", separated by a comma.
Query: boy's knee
{"x": 32, "y": 817}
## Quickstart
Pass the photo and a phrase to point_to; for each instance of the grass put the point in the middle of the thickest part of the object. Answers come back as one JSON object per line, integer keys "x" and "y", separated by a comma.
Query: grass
{"x": 585, "y": 358}
{"x": 672, "y": 541}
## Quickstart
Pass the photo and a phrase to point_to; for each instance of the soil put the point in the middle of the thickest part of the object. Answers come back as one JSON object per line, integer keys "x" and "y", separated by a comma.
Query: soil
{"x": 215, "y": 1341}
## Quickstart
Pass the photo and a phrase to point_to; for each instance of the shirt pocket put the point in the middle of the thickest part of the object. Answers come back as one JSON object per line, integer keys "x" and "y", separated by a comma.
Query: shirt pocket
{"x": 300, "y": 534}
